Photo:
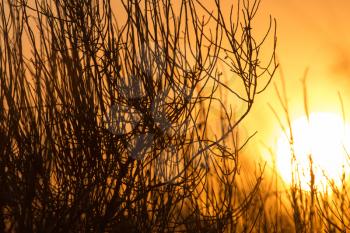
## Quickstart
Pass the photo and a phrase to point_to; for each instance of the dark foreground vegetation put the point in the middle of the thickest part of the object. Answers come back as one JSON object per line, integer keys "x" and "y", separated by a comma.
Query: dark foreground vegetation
{"x": 123, "y": 118}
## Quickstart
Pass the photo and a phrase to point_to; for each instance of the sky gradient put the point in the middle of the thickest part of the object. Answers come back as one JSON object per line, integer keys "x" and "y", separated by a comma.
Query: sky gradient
{"x": 312, "y": 35}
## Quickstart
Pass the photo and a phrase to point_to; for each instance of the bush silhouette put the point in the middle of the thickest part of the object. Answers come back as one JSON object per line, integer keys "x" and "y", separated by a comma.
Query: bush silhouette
{"x": 105, "y": 121}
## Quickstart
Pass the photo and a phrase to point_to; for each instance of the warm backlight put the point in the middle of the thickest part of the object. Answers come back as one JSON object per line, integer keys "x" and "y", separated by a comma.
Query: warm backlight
{"x": 324, "y": 137}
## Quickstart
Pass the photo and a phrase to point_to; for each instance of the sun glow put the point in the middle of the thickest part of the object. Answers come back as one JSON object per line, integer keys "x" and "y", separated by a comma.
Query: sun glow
{"x": 325, "y": 137}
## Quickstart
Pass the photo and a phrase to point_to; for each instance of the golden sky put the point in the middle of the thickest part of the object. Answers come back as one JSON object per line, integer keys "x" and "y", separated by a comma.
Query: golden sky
{"x": 312, "y": 34}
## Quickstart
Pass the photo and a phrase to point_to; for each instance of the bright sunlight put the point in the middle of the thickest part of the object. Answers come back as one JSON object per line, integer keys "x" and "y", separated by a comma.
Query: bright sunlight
{"x": 324, "y": 137}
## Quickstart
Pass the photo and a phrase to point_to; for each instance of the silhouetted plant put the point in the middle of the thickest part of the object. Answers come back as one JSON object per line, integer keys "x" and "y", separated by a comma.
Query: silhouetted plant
{"x": 105, "y": 121}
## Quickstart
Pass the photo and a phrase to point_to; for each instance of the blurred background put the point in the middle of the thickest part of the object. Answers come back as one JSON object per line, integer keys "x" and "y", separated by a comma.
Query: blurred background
{"x": 313, "y": 37}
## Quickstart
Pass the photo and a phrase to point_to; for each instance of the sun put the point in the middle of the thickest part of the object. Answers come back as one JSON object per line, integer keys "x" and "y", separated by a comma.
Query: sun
{"x": 324, "y": 139}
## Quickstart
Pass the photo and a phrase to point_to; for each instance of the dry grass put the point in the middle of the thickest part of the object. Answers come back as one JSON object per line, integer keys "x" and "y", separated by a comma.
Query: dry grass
{"x": 320, "y": 209}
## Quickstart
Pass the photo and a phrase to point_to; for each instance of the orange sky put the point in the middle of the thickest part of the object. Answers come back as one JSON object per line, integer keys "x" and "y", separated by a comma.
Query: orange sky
{"x": 311, "y": 34}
